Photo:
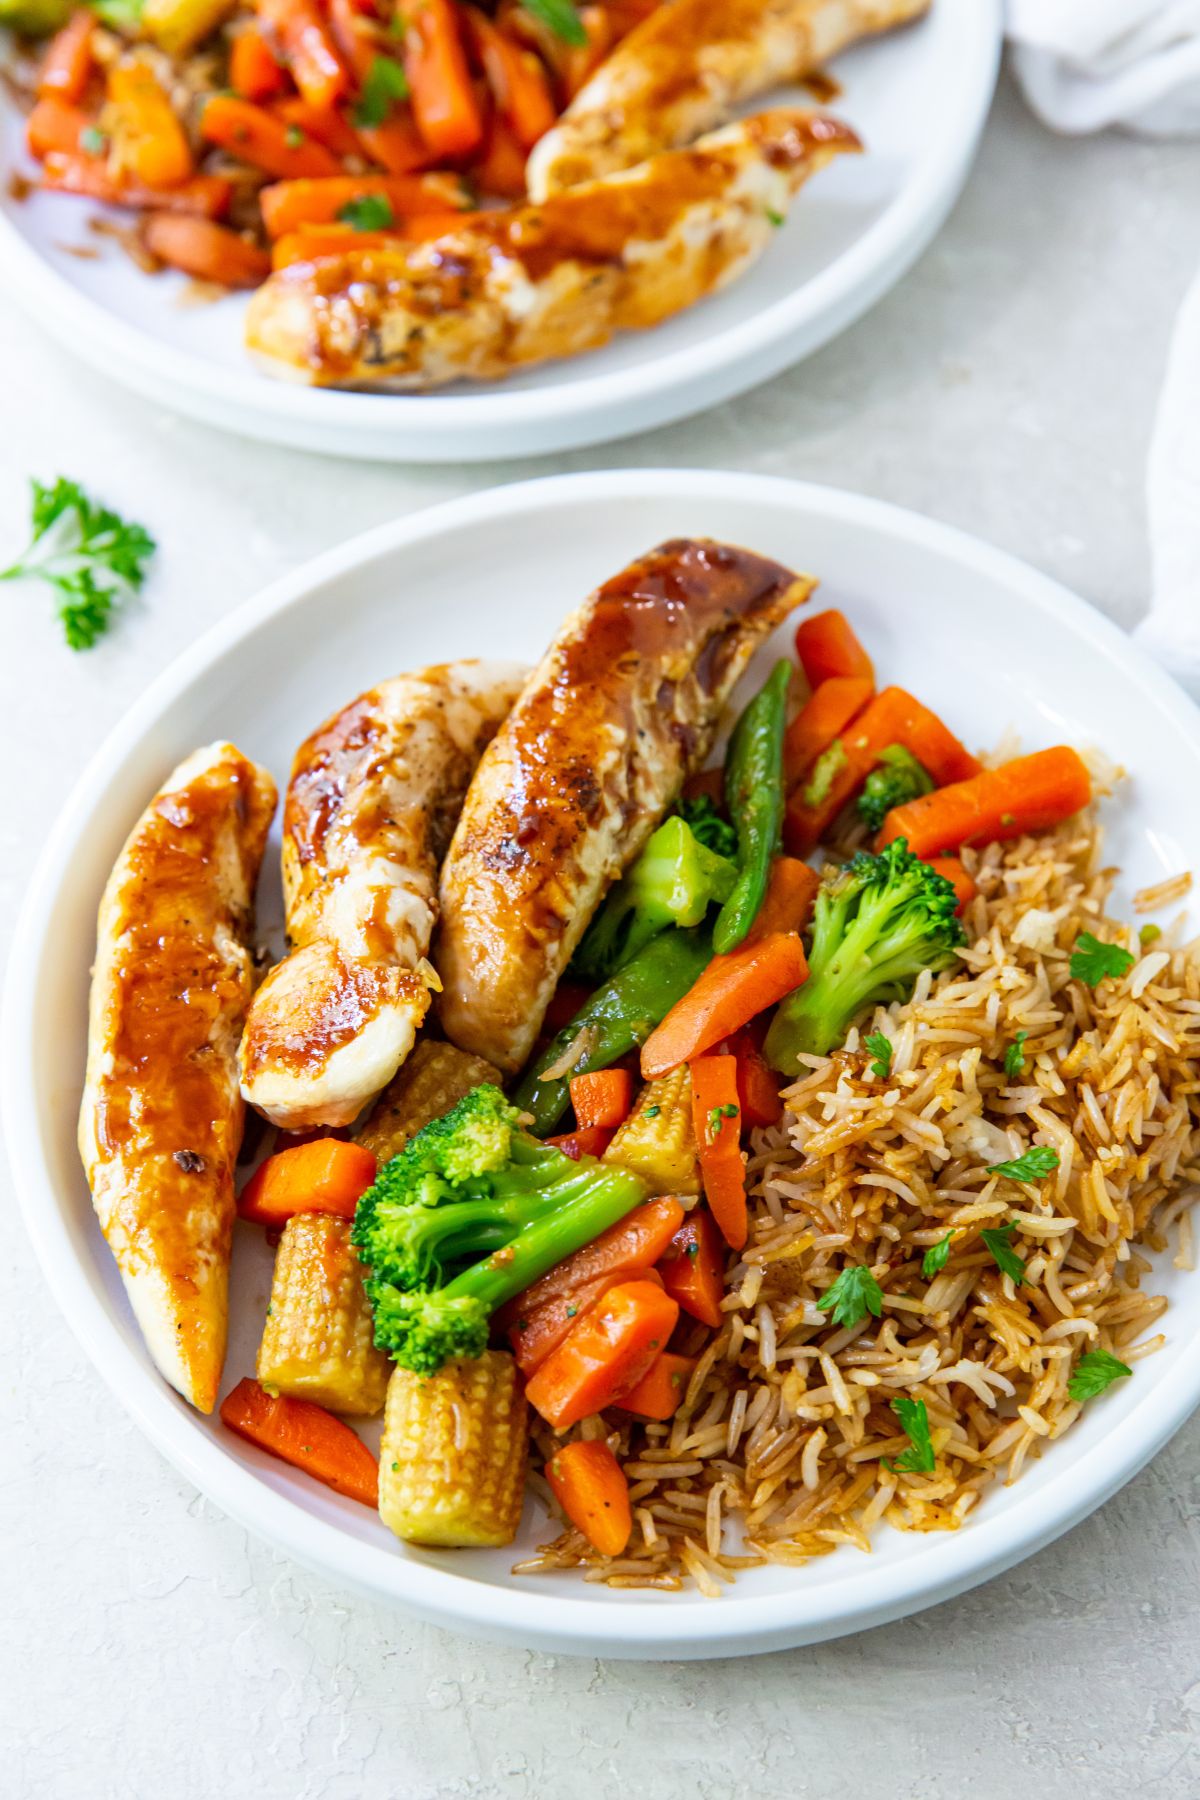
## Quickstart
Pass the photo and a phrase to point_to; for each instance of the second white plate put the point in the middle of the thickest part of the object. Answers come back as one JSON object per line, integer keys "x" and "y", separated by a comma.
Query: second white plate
{"x": 918, "y": 98}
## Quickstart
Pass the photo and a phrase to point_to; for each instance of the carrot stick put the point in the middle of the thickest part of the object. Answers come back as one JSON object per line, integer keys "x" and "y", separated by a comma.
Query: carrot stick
{"x": 693, "y": 1268}
{"x": 253, "y": 71}
{"x": 258, "y": 137}
{"x": 589, "y": 1140}
{"x": 327, "y": 1175}
{"x": 205, "y": 250}
{"x": 56, "y": 126}
{"x": 580, "y": 61}
{"x": 150, "y": 141}
{"x": 607, "y": 1351}
{"x": 636, "y": 1242}
{"x": 356, "y": 36}
{"x": 444, "y": 103}
{"x": 205, "y": 196}
{"x": 397, "y": 144}
{"x": 827, "y": 647}
{"x": 287, "y": 205}
{"x": 67, "y": 64}
{"x": 659, "y": 1394}
{"x": 1030, "y": 793}
{"x": 757, "y": 1082}
{"x": 305, "y": 1435}
{"x": 516, "y": 77}
{"x": 716, "y": 1114}
{"x": 323, "y": 124}
{"x": 956, "y": 875}
{"x": 791, "y": 889}
{"x": 588, "y": 1484}
{"x": 541, "y": 1329}
{"x": 731, "y": 991}
{"x": 315, "y": 61}
{"x": 500, "y": 171}
{"x": 823, "y": 717}
{"x": 311, "y": 242}
{"x": 602, "y": 1097}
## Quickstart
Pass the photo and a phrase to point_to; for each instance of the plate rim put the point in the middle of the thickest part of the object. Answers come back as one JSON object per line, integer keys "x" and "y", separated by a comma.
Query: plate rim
{"x": 649, "y": 1629}
{"x": 589, "y": 409}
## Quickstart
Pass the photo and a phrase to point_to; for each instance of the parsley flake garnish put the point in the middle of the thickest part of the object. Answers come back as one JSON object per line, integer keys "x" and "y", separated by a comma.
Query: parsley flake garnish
{"x": 1003, "y": 1254}
{"x": 880, "y": 1048}
{"x": 561, "y": 17}
{"x": 1014, "y": 1056}
{"x": 92, "y": 141}
{"x": 936, "y": 1257}
{"x": 367, "y": 212}
{"x": 1149, "y": 934}
{"x": 91, "y": 556}
{"x": 293, "y": 137}
{"x": 1038, "y": 1161}
{"x": 1094, "y": 1372}
{"x": 776, "y": 218}
{"x": 383, "y": 85}
{"x": 852, "y": 1296}
{"x": 1092, "y": 962}
{"x": 919, "y": 1458}
{"x": 651, "y": 1112}
{"x": 717, "y": 1117}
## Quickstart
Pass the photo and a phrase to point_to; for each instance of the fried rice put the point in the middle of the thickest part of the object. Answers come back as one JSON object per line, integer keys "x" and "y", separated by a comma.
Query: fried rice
{"x": 778, "y": 1451}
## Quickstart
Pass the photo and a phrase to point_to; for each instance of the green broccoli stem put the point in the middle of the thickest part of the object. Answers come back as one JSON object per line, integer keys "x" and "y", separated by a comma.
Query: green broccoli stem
{"x": 754, "y": 794}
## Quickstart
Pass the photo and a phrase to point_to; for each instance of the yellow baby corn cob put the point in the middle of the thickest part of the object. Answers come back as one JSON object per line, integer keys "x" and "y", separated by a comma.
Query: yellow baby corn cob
{"x": 452, "y": 1460}
{"x": 177, "y": 26}
{"x": 658, "y": 1140}
{"x": 427, "y": 1085}
{"x": 318, "y": 1342}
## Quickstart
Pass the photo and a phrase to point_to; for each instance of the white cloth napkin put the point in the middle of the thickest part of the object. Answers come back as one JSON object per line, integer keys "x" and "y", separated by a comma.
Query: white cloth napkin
{"x": 1084, "y": 65}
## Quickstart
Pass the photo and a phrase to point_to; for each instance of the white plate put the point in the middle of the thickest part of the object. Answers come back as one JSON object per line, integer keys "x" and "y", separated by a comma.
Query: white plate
{"x": 986, "y": 640}
{"x": 918, "y": 98}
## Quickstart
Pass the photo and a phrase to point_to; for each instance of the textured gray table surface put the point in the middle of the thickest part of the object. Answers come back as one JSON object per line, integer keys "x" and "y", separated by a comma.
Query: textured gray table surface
{"x": 148, "y": 1648}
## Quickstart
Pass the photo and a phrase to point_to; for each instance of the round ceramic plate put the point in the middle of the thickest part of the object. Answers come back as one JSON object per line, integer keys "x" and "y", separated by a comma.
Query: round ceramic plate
{"x": 987, "y": 641}
{"x": 918, "y": 98}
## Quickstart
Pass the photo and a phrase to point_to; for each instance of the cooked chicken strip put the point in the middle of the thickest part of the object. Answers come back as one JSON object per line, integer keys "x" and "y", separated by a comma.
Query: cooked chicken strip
{"x": 161, "y": 1119}
{"x": 686, "y": 68}
{"x": 513, "y": 288}
{"x": 624, "y": 704}
{"x": 369, "y": 811}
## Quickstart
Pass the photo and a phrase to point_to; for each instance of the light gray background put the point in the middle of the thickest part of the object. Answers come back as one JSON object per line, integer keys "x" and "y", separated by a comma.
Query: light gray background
{"x": 148, "y": 1648}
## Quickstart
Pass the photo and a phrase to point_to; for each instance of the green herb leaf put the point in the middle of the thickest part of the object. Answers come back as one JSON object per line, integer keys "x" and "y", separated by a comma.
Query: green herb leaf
{"x": 384, "y": 84}
{"x": 1036, "y": 1162}
{"x": 1092, "y": 961}
{"x": 1094, "y": 1372}
{"x": 120, "y": 14}
{"x": 919, "y": 1460}
{"x": 367, "y": 212}
{"x": 717, "y": 1116}
{"x": 852, "y": 1296}
{"x": 92, "y": 141}
{"x": 92, "y": 557}
{"x": 561, "y": 17}
{"x": 776, "y": 218}
{"x": 1003, "y": 1254}
{"x": 1014, "y": 1056}
{"x": 293, "y": 137}
{"x": 880, "y": 1049}
{"x": 651, "y": 1112}
{"x": 826, "y": 770}
{"x": 936, "y": 1257}
{"x": 1149, "y": 934}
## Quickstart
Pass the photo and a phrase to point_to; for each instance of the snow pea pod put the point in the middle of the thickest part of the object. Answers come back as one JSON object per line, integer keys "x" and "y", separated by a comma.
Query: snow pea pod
{"x": 754, "y": 795}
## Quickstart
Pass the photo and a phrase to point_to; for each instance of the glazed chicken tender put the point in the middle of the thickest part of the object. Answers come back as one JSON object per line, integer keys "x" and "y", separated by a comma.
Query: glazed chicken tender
{"x": 370, "y": 807}
{"x": 624, "y": 704}
{"x": 161, "y": 1119}
{"x": 533, "y": 283}
{"x": 685, "y": 69}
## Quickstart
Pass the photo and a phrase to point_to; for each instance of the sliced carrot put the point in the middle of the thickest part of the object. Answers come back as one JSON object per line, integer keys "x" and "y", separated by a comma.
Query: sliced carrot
{"x": 589, "y": 1140}
{"x": 957, "y": 876}
{"x": 602, "y": 1097}
{"x": 757, "y": 1082}
{"x": 824, "y": 716}
{"x": 324, "y": 125}
{"x": 731, "y": 991}
{"x": 516, "y": 77}
{"x": 397, "y": 144}
{"x": 150, "y": 140}
{"x": 261, "y": 138}
{"x": 288, "y": 205}
{"x": 788, "y": 902}
{"x": 305, "y": 1435}
{"x": 635, "y": 1242}
{"x": 500, "y": 171}
{"x": 67, "y": 65}
{"x": 444, "y": 104}
{"x": 659, "y": 1394}
{"x": 580, "y": 61}
{"x": 541, "y": 1329}
{"x": 254, "y": 72}
{"x": 206, "y": 196}
{"x": 587, "y": 1482}
{"x": 693, "y": 1268}
{"x": 328, "y": 1175}
{"x": 316, "y": 64}
{"x": 205, "y": 250}
{"x": 716, "y": 1114}
{"x": 1031, "y": 793}
{"x": 607, "y": 1351}
{"x": 827, "y": 646}
{"x": 311, "y": 242}
{"x": 55, "y": 126}
{"x": 355, "y": 33}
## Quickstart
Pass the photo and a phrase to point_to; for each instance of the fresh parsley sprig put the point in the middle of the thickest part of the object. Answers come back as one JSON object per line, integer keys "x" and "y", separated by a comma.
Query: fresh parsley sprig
{"x": 880, "y": 1049}
{"x": 1014, "y": 1056}
{"x": 561, "y": 17}
{"x": 1035, "y": 1163}
{"x": 91, "y": 556}
{"x": 384, "y": 84}
{"x": 997, "y": 1240}
{"x": 852, "y": 1296}
{"x": 919, "y": 1458}
{"x": 1094, "y": 1372}
{"x": 936, "y": 1257}
{"x": 1092, "y": 961}
{"x": 367, "y": 212}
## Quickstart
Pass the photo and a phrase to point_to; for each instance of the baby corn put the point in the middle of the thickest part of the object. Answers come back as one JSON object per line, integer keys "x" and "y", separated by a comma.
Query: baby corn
{"x": 319, "y": 1342}
{"x": 452, "y": 1461}
{"x": 433, "y": 1079}
{"x": 658, "y": 1140}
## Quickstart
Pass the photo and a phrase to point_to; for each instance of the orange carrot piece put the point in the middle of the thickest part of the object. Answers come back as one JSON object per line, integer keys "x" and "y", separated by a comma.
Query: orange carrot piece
{"x": 356, "y": 35}
{"x": 150, "y": 140}
{"x": 516, "y": 77}
{"x": 55, "y": 126}
{"x": 254, "y": 72}
{"x": 305, "y": 1435}
{"x": 827, "y": 646}
{"x": 316, "y": 63}
{"x": 580, "y": 61}
{"x": 607, "y": 1351}
{"x": 205, "y": 196}
{"x": 589, "y": 1140}
{"x": 310, "y": 242}
{"x": 757, "y": 1082}
{"x": 693, "y": 1268}
{"x": 602, "y": 1097}
{"x": 659, "y": 1394}
{"x": 957, "y": 876}
{"x": 444, "y": 103}
{"x": 541, "y": 1329}
{"x": 499, "y": 172}
{"x": 397, "y": 144}
{"x": 328, "y": 1175}
{"x": 717, "y": 1116}
{"x": 824, "y": 716}
{"x": 1030, "y": 793}
{"x": 288, "y": 205}
{"x": 788, "y": 902}
{"x": 635, "y": 1242}
{"x": 205, "y": 250}
{"x": 588, "y": 1484}
{"x": 259, "y": 137}
{"x": 323, "y": 124}
{"x": 731, "y": 991}
{"x": 67, "y": 65}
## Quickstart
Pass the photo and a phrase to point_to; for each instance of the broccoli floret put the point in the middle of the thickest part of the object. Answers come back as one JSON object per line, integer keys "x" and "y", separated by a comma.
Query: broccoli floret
{"x": 706, "y": 823}
{"x": 877, "y": 923}
{"x": 673, "y": 882}
{"x": 471, "y": 1212}
{"x": 896, "y": 777}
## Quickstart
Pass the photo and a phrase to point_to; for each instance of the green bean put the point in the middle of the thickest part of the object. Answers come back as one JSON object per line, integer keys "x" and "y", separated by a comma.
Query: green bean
{"x": 754, "y": 796}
